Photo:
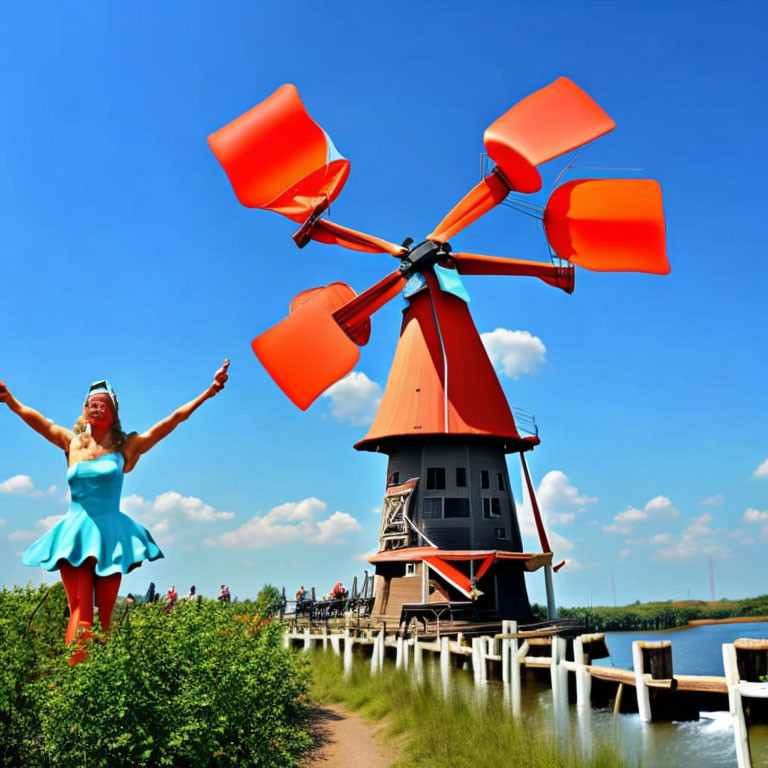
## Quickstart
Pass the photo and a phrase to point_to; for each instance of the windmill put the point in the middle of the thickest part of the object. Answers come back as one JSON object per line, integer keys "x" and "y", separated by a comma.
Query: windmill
{"x": 449, "y": 529}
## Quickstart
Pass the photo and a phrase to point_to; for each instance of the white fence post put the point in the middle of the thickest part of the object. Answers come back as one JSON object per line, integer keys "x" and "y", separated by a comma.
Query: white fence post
{"x": 307, "y": 639}
{"x": 418, "y": 660}
{"x": 736, "y": 707}
{"x": 583, "y": 679}
{"x": 348, "y": 643}
{"x": 643, "y": 695}
{"x": 399, "y": 652}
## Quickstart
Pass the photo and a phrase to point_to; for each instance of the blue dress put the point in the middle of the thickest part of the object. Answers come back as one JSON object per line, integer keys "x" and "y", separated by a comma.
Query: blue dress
{"x": 94, "y": 526}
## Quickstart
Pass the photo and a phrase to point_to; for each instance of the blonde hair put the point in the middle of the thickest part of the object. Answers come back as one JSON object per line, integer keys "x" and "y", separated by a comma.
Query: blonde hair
{"x": 116, "y": 432}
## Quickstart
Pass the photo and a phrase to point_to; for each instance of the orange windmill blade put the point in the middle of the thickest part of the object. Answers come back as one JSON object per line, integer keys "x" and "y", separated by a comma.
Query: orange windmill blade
{"x": 609, "y": 225}
{"x": 278, "y": 158}
{"x": 544, "y": 125}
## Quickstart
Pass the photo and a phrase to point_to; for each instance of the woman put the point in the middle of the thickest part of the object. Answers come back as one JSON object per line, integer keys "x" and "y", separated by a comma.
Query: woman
{"x": 95, "y": 544}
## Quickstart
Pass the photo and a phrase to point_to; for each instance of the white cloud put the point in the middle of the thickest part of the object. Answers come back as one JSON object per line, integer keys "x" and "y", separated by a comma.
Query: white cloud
{"x": 170, "y": 513}
{"x": 625, "y": 552}
{"x": 755, "y": 515}
{"x": 22, "y": 485}
{"x": 354, "y": 399}
{"x": 574, "y": 564}
{"x": 615, "y": 528}
{"x": 631, "y": 515}
{"x": 559, "y": 500}
{"x": 48, "y": 522}
{"x": 695, "y": 540}
{"x": 762, "y": 470}
{"x": 714, "y": 501}
{"x": 702, "y": 519}
{"x": 662, "y": 505}
{"x": 764, "y": 534}
{"x": 291, "y": 522}
{"x": 23, "y": 535}
{"x": 169, "y": 505}
{"x": 514, "y": 352}
{"x": 2, "y": 522}
{"x": 43, "y": 525}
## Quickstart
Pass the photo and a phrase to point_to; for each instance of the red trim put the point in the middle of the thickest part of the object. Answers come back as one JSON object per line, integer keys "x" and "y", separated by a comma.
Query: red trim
{"x": 535, "y": 507}
{"x": 483, "y": 569}
{"x": 450, "y": 574}
{"x": 415, "y": 554}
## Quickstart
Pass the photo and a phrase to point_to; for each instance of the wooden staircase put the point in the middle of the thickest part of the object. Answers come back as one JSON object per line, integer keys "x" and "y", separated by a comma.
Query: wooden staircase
{"x": 406, "y": 589}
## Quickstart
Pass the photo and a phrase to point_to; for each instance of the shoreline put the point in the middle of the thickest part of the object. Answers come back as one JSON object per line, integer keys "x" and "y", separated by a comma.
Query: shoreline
{"x": 733, "y": 620}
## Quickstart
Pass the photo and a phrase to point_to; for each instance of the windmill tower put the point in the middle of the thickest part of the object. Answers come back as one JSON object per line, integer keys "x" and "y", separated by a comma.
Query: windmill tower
{"x": 449, "y": 529}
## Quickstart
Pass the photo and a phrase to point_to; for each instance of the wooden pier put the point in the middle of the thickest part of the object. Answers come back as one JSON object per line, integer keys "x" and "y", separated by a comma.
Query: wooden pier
{"x": 659, "y": 693}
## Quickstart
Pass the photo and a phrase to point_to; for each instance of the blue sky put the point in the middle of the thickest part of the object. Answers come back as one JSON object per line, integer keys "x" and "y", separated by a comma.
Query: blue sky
{"x": 125, "y": 254}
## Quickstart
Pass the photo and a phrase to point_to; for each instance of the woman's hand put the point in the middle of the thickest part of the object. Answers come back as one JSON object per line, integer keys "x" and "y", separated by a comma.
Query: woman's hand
{"x": 5, "y": 395}
{"x": 219, "y": 380}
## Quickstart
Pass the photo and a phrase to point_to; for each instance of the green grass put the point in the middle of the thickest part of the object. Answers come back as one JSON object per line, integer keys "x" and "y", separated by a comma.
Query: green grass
{"x": 435, "y": 731}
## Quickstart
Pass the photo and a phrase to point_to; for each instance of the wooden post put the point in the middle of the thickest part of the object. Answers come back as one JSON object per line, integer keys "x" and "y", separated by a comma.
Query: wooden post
{"x": 736, "y": 706}
{"x": 478, "y": 659}
{"x": 348, "y": 643}
{"x": 335, "y": 644}
{"x": 583, "y": 679}
{"x": 286, "y": 638}
{"x": 506, "y": 629}
{"x": 399, "y": 651}
{"x": 558, "y": 654}
{"x": 382, "y": 640}
{"x": 407, "y": 642}
{"x": 641, "y": 689}
{"x": 418, "y": 660}
{"x": 307, "y": 639}
{"x": 375, "y": 654}
{"x": 445, "y": 655}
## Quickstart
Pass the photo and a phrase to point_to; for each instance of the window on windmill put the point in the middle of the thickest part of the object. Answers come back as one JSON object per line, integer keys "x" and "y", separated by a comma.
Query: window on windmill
{"x": 456, "y": 508}
{"x": 501, "y": 533}
{"x": 485, "y": 480}
{"x": 394, "y": 478}
{"x": 500, "y": 482}
{"x": 435, "y": 478}
{"x": 491, "y": 508}
{"x": 432, "y": 509}
{"x": 461, "y": 477}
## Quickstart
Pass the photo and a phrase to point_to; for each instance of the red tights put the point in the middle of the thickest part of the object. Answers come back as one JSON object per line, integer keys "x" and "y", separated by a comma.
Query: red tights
{"x": 84, "y": 588}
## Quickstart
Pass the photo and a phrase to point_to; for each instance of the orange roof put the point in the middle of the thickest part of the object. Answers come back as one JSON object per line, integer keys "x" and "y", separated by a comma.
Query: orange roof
{"x": 415, "y": 402}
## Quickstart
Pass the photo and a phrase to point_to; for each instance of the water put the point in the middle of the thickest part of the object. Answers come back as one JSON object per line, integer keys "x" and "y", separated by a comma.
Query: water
{"x": 706, "y": 743}
{"x": 695, "y": 650}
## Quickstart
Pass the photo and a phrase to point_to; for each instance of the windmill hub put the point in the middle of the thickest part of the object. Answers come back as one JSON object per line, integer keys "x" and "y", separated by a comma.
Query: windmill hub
{"x": 423, "y": 256}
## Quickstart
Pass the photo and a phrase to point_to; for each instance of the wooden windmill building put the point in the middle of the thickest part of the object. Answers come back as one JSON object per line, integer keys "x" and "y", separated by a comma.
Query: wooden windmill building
{"x": 449, "y": 528}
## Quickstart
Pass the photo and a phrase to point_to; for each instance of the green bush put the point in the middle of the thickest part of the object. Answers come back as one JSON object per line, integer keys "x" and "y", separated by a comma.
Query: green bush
{"x": 202, "y": 686}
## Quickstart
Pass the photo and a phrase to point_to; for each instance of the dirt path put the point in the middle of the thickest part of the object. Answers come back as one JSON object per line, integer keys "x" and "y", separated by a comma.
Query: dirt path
{"x": 344, "y": 740}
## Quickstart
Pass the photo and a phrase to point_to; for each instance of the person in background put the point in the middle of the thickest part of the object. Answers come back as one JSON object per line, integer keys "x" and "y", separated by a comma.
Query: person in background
{"x": 130, "y": 599}
{"x": 338, "y": 592}
{"x": 191, "y": 595}
{"x": 224, "y": 595}
{"x": 171, "y": 596}
{"x": 300, "y": 594}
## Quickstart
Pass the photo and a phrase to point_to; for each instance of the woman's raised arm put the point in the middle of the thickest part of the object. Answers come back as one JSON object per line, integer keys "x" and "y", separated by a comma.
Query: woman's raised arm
{"x": 138, "y": 444}
{"x": 59, "y": 436}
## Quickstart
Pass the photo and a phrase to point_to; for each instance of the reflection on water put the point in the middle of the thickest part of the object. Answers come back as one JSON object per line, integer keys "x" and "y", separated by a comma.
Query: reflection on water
{"x": 706, "y": 743}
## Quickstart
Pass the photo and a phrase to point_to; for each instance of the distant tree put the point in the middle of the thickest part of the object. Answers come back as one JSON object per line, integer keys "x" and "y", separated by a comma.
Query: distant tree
{"x": 267, "y": 600}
